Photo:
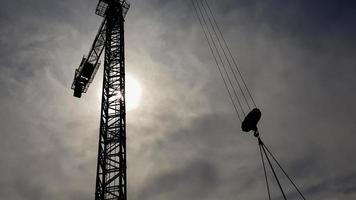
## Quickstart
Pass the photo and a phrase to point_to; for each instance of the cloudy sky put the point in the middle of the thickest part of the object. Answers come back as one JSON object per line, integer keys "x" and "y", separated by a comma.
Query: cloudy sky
{"x": 184, "y": 141}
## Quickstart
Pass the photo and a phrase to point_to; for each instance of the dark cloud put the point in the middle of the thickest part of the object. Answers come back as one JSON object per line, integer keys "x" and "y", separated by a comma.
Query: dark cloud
{"x": 184, "y": 140}
{"x": 195, "y": 180}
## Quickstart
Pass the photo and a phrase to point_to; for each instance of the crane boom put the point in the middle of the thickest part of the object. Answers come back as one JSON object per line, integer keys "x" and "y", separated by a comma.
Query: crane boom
{"x": 89, "y": 65}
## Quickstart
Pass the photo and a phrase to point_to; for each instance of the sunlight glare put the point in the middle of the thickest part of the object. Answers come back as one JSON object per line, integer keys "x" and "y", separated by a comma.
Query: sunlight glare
{"x": 133, "y": 93}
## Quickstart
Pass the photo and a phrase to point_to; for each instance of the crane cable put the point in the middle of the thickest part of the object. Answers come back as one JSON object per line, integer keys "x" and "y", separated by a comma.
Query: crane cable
{"x": 284, "y": 172}
{"x": 264, "y": 170}
{"x": 225, "y": 56}
{"x": 260, "y": 143}
{"x": 217, "y": 45}
{"x": 235, "y": 84}
{"x": 216, "y": 61}
{"x": 267, "y": 153}
{"x": 232, "y": 58}
{"x": 265, "y": 173}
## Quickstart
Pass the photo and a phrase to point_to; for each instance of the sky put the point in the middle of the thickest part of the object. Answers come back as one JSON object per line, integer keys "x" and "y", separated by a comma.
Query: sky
{"x": 184, "y": 140}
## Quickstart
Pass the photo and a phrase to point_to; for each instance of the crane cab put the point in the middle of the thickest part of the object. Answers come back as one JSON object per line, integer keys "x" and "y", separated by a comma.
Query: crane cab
{"x": 84, "y": 75}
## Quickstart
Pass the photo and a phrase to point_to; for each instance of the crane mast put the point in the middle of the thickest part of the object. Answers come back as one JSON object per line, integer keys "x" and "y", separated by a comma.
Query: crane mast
{"x": 111, "y": 182}
{"x": 111, "y": 167}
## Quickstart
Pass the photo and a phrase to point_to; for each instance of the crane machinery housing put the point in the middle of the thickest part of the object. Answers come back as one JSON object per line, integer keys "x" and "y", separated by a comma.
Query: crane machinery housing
{"x": 111, "y": 182}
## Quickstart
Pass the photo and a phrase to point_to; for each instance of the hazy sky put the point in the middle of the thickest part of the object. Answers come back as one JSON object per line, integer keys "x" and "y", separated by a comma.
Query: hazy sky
{"x": 184, "y": 141}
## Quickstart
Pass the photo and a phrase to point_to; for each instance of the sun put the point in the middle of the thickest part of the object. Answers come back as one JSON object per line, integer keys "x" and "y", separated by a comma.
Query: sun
{"x": 133, "y": 93}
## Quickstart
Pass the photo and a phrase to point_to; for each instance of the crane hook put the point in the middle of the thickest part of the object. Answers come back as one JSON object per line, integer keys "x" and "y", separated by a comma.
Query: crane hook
{"x": 251, "y": 120}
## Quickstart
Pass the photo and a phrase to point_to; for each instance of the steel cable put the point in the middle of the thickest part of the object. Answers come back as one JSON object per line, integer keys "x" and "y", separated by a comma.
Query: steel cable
{"x": 214, "y": 36}
{"x": 219, "y": 35}
{"x": 223, "y": 50}
{"x": 285, "y": 173}
{"x": 264, "y": 169}
{"x": 220, "y": 57}
{"x": 229, "y": 51}
{"x": 273, "y": 171}
{"x": 216, "y": 61}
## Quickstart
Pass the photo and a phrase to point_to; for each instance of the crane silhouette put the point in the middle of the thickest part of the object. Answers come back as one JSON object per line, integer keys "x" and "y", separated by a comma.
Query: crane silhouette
{"x": 111, "y": 182}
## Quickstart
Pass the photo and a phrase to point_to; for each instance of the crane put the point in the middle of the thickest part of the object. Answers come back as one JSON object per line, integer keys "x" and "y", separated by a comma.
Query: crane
{"x": 111, "y": 182}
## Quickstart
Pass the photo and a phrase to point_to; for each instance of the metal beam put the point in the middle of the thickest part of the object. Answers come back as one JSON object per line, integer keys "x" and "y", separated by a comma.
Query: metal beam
{"x": 111, "y": 167}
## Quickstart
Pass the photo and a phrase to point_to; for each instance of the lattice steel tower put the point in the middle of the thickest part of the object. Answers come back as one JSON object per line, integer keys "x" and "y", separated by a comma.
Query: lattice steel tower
{"x": 111, "y": 182}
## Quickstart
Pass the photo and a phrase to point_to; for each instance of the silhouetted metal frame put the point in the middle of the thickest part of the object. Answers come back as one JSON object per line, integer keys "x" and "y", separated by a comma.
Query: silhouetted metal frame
{"x": 111, "y": 182}
{"x": 92, "y": 58}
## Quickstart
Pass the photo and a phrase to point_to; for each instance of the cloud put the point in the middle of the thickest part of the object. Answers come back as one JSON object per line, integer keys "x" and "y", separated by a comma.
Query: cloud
{"x": 184, "y": 140}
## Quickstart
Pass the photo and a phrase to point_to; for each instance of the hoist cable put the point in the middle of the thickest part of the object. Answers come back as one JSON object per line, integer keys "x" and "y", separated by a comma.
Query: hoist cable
{"x": 214, "y": 36}
{"x": 232, "y": 57}
{"x": 216, "y": 61}
{"x": 285, "y": 173}
{"x": 265, "y": 172}
{"x": 213, "y": 26}
{"x": 220, "y": 58}
{"x": 274, "y": 173}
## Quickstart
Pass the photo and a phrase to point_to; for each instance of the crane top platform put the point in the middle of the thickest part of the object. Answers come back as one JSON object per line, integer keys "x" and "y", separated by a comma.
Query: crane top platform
{"x": 104, "y": 4}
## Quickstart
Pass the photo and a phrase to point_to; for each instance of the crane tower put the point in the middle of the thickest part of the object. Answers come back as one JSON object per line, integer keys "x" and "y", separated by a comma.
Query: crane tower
{"x": 111, "y": 182}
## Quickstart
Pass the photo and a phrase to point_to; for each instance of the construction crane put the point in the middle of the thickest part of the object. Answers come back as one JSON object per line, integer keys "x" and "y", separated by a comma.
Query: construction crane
{"x": 111, "y": 182}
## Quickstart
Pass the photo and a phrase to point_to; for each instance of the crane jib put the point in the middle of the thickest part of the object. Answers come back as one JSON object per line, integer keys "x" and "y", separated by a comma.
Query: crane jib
{"x": 89, "y": 65}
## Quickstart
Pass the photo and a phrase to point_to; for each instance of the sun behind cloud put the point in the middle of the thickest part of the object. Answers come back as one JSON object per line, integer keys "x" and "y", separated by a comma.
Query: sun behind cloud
{"x": 133, "y": 93}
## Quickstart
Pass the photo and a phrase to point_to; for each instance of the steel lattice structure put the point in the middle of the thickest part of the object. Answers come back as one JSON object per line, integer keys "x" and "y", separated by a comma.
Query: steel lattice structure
{"x": 111, "y": 182}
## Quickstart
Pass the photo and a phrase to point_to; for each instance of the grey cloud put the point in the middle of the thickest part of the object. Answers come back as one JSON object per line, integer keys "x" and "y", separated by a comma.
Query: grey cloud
{"x": 184, "y": 140}
{"x": 195, "y": 180}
